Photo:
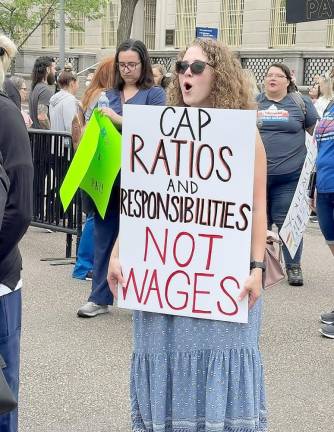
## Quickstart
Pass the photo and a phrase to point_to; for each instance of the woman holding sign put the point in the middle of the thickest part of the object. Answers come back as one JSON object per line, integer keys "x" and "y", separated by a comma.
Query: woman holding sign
{"x": 133, "y": 84}
{"x": 189, "y": 374}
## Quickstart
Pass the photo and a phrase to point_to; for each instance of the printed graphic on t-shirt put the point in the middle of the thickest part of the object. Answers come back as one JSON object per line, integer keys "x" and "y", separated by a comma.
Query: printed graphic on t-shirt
{"x": 272, "y": 114}
{"x": 325, "y": 129}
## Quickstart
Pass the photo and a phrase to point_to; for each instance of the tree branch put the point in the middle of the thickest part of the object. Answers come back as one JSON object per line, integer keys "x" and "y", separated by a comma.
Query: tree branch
{"x": 5, "y": 7}
{"x": 37, "y": 25}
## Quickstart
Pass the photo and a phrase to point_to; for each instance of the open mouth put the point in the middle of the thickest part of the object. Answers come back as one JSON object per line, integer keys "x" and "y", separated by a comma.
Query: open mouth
{"x": 187, "y": 86}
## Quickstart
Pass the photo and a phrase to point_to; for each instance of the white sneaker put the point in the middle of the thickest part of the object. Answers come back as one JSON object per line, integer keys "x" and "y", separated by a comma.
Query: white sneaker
{"x": 91, "y": 309}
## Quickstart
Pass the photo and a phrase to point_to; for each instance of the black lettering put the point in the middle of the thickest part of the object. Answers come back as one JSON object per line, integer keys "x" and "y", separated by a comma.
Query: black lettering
{"x": 200, "y": 124}
{"x": 225, "y": 164}
{"x": 161, "y": 121}
{"x": 187, "y": 124}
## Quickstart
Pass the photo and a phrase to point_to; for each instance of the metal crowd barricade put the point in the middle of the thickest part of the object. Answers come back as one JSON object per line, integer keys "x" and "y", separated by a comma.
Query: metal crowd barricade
{"x": 52, "y": 153}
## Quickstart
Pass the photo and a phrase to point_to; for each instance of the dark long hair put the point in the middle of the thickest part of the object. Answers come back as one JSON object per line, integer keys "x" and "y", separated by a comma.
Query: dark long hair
{"x": 146, "y": 77}
{"x": 39, "y": 70}
{"x": 284, "y": 68}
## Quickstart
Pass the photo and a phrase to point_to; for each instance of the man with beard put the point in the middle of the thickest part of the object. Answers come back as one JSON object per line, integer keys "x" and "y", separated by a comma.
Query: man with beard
{"x": 43, "y": 74}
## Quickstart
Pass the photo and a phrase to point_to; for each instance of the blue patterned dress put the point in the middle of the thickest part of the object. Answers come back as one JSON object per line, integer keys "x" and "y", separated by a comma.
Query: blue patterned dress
{"x": 195, "y": 375}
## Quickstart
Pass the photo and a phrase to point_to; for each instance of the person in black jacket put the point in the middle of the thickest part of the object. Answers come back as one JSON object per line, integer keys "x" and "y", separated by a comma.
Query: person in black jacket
{"x": 17, "y": 163}
{"x": 4, "y": 186}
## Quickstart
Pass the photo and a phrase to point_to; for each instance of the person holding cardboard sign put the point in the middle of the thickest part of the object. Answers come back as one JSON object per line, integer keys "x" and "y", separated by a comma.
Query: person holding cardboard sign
{"x": 200, "y": 374}
{"x": 133, "y": 84}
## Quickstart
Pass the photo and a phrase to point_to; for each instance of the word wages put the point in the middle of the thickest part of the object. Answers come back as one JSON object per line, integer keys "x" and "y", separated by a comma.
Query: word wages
{"x": 181, "y": 289}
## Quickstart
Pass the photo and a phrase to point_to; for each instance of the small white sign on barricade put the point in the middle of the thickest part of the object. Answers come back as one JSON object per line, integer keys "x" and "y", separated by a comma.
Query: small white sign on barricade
{"x": 186, "y": 210}
{"x": 299, "y": 212}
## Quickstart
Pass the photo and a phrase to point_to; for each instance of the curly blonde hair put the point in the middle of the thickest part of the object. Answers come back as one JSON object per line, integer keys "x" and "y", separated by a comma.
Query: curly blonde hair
{"x": 230, "y": 88}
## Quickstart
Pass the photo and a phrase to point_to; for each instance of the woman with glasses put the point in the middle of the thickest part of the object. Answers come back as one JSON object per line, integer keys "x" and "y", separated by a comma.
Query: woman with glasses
{"x": 133, "y": 84}
{"x": 283, "y": 117}
{"x": 189, "y": 374}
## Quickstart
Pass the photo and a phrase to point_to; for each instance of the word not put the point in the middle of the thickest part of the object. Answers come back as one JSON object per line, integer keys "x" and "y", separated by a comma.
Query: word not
{"x": 182, "y": 289}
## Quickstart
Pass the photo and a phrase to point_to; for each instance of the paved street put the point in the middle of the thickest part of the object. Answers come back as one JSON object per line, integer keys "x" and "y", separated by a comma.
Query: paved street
{"x": 74, "y": 374}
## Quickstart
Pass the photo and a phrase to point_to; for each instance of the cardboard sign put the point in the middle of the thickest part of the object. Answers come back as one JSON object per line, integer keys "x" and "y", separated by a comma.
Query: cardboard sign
{"x": 186, "y": 210}
{"x": 96, "y": 163}
{"x": 309, "y": 10}
{"x": 299, "y": 212}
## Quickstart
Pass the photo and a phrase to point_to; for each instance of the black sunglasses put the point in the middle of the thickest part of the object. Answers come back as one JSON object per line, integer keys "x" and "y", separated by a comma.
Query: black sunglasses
{"x": 197, "y": 67}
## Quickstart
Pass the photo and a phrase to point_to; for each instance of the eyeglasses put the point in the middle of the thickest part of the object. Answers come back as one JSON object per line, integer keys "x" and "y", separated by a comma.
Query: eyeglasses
{"x": 131, "y": 66}
{"x": 269, "y": 76}
{"x": 197, "y": 67}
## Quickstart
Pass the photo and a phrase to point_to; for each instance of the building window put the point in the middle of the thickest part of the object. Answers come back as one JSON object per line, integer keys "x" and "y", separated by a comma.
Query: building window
{"x": 49, "y": 33}
{"x": 330, "y": 34}
{"x": 186, "y": 11}
{"x": 281, "y": 34}
{"x": 110, "y": 24}
{"x": 150, "y": 7}
{"x": 231, "y": 20}
{"x": 77, "y": 37}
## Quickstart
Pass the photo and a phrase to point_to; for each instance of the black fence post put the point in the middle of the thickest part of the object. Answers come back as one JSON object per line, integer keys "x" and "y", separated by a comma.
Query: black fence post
{"x": 52, "y": 153}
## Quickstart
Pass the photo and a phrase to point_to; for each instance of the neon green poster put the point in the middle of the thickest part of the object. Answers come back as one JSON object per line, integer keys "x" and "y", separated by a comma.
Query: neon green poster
{"x": 96, "y": 163}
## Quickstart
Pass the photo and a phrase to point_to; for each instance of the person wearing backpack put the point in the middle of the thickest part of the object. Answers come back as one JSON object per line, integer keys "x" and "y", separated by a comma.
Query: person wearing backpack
{"x": 283, "y": 117}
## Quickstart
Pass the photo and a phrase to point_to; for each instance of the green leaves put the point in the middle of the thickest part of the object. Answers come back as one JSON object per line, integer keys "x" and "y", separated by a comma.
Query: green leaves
{"x": 20, "y": 18}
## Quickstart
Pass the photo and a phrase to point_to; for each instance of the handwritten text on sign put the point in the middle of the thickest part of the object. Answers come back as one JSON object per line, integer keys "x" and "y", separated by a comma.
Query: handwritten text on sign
{"x": 299, "y": 212}
{"x": 186, "y": 210}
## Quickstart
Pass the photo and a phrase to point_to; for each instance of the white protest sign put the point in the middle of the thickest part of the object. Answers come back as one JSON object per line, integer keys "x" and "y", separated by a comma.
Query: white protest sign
{"x": 186, "y": 210}
{"x": 299, "y": 212}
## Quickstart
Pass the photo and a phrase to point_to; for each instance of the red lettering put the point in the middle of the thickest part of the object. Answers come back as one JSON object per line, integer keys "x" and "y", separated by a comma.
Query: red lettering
{"x": 236, "y": 308}
{"x": 160, "y": 154}
{"x": 134, "y": 151}
{"x": 209, "y": 255}
{"x": 162, "y": 254}
{"x": 169, "y": 280}
{"x": 178, "y": 262}
{"x": 196, "y": 291}
{"x": 154, "y": 286}
{"x": 132, "y": 279}
{"x": 211, "y": 164}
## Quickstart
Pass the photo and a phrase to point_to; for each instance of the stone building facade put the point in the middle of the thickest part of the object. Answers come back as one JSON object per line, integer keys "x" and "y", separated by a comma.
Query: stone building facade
{"x": 255, "y": 29}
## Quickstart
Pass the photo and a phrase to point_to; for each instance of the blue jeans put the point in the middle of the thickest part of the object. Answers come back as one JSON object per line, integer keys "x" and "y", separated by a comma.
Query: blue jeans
{"x": 280, "y": 191}
{"x": 85, "y": 256}
{"x": 10, "y": 332}
{"x": 325, "y": 213}
{"x": 105, "y": 234}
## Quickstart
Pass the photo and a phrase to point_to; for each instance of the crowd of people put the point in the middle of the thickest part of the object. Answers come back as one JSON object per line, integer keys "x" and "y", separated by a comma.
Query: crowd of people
{"x": 217, "y": 384}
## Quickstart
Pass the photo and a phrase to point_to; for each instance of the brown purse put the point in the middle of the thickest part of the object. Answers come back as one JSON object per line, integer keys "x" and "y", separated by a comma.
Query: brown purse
{"x": 274, "y": 272}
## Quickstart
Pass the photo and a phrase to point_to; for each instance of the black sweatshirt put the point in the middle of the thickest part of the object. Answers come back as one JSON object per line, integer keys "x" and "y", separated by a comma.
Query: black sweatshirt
{"x": 17, "y": 161}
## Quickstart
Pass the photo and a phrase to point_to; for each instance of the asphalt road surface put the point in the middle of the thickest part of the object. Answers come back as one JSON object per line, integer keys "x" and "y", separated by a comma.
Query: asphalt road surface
{"x": 74, "y": 372}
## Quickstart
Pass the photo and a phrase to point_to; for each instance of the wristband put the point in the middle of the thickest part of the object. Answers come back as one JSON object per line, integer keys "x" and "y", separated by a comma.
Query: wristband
{"x": 257, "y": 264}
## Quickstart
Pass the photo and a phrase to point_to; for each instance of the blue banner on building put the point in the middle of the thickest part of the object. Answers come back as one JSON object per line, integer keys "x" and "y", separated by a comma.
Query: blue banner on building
{"x": 206, "y": 32}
